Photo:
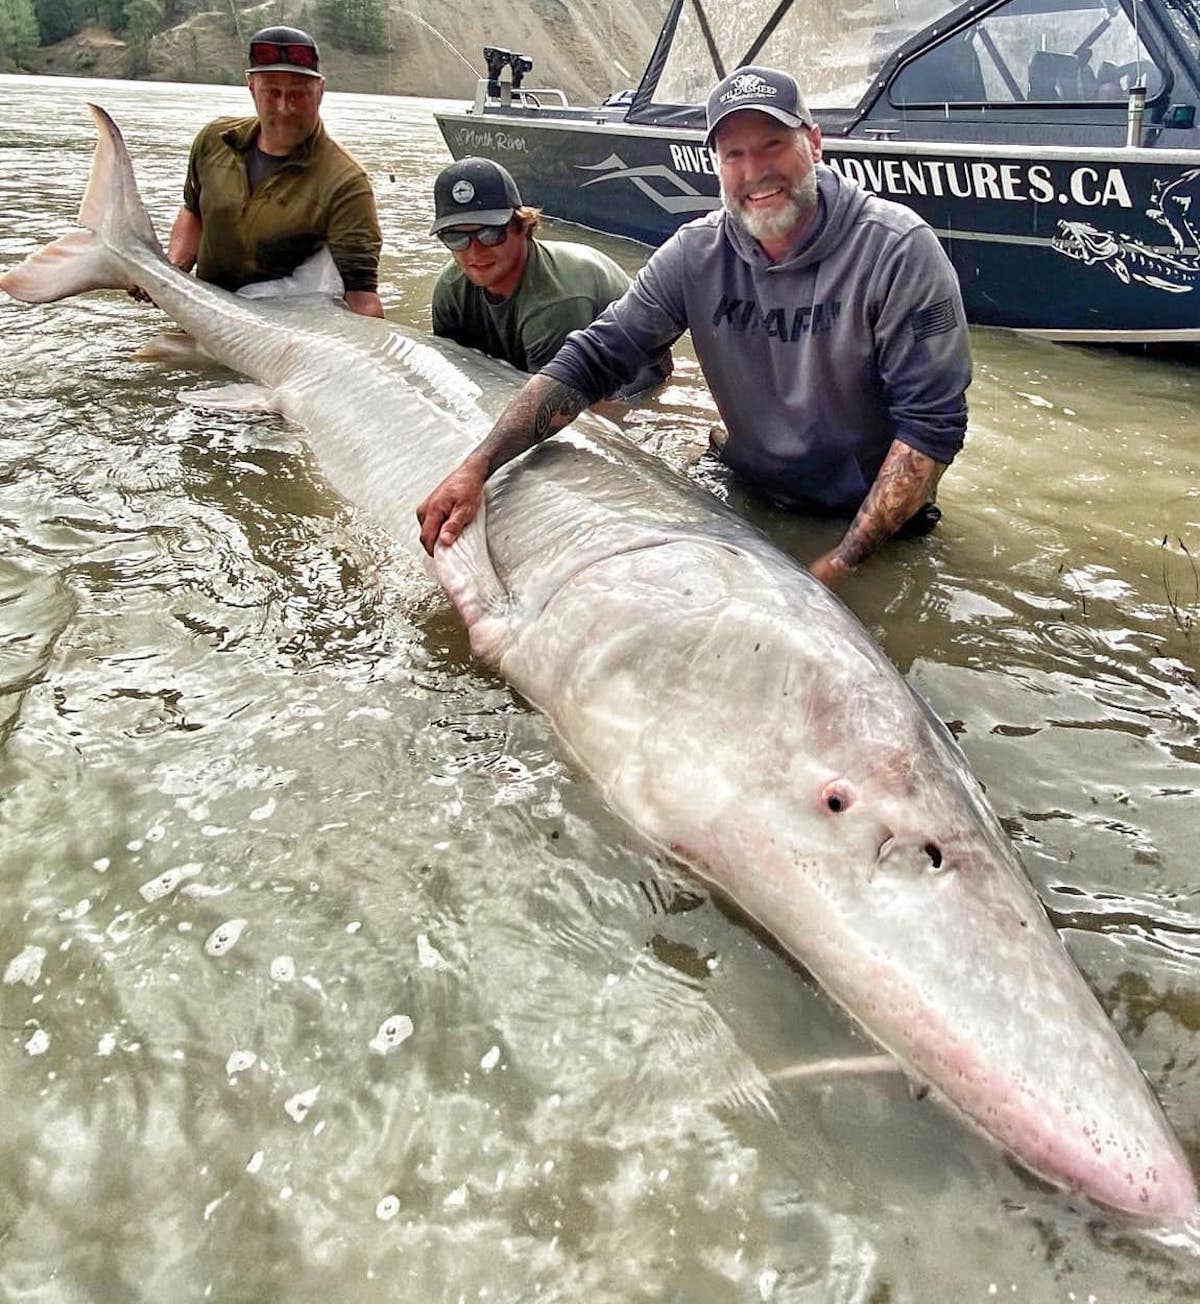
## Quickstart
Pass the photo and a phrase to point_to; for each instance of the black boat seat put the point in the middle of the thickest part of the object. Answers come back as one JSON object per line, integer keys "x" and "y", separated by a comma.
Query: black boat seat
{"x": 1060, "y": 77}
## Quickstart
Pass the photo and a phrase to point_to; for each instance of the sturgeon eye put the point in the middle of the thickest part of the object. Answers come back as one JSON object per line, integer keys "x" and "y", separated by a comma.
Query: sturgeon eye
{"x": 836, "y": 797}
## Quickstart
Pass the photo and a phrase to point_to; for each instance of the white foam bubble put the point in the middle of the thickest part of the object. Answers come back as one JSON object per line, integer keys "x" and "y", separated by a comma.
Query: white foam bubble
{"x": 166, "y": 883}
{"x": 456, "y": 1199}
{"x": 299, "y": 1105}
{"x": 39, "y": 1043}
{"x": 27, "y": 967}
{"x": 490, "y": 1060}
{"x": 256, "y": 1162}
{"x": 396, "y": 1028}
{"x": 77, "y": 911}
{"x": 224, "y": 937}
{"x": 240, "y": 1061}
{"x": 283, "y": 969}
{"x": 387, "y": 1208}
{"x": 107, "y": 1044}
{"x": 428, "y": 956}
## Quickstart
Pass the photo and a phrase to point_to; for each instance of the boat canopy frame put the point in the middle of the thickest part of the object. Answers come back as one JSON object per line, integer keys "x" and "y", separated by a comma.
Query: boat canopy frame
{"x": 1177, "y": 33}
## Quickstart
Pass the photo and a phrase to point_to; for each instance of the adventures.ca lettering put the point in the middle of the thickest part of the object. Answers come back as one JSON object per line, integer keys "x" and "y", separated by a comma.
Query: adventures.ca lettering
{"x": 1090, "y": 187}
{"x": 1102, "y": 186}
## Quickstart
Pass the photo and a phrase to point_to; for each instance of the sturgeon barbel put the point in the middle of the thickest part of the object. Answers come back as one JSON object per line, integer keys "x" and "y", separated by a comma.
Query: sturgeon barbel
{"x": 726, "y": 704}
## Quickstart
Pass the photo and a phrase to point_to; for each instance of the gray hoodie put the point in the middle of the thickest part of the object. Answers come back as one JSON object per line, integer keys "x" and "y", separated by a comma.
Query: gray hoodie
{"x": 816, "y": 363}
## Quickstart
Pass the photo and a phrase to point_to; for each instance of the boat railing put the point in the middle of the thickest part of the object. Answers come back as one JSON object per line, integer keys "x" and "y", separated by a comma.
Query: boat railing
{"x": 532, "y": 98}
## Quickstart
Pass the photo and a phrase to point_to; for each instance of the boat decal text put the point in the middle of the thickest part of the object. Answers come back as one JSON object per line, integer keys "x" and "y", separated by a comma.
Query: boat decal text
{"x": 477, "y": 140}
{"x": 1089, "y": 187}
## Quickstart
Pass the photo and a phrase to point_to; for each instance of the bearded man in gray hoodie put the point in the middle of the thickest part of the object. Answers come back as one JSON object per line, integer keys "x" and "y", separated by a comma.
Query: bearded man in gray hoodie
{"x": 827, "y": 322}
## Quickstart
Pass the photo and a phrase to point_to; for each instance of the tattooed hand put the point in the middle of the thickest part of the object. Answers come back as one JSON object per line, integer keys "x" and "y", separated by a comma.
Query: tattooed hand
{"x": 905, "y": 483}
{"x": 453, "y": 505}
{"x": 543, "y": 407}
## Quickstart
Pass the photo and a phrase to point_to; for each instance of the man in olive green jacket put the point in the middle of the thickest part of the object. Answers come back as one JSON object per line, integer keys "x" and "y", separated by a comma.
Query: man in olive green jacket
{"x": 264, "y": 193}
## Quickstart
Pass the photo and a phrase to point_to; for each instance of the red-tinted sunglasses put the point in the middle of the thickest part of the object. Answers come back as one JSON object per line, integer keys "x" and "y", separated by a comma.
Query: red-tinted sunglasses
{"x": 267, "y": 52}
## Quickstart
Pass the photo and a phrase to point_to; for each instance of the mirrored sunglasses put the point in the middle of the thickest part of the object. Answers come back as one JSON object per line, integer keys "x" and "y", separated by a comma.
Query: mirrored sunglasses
{"x": 263, "y": 53}
{"x": 488, "y": 236}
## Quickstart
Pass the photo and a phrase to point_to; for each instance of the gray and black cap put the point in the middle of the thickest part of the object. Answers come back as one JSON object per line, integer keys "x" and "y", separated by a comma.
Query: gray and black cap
{"x": 473, "y": 190}
{"x": 767, "y": 90}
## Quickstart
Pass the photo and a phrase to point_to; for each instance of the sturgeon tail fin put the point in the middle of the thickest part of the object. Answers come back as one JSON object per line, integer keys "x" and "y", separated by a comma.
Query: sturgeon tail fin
{"x": 114, "y": 218}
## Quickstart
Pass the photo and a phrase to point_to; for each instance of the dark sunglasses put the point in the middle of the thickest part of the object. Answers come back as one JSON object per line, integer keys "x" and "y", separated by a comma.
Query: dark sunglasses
{"x": 488, "y": 236}
{"x": 266, "y": 52}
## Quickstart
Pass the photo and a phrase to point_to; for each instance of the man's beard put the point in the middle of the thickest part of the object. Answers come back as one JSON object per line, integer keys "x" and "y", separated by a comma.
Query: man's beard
{"x": 802, "y": 203}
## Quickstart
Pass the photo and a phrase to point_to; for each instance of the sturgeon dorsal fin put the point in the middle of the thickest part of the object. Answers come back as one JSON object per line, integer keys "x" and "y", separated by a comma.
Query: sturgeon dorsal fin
{"x": 317, "y": 275}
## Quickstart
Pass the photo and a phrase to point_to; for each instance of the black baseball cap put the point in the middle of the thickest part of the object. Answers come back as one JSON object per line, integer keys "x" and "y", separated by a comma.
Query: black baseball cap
{"x": 284, "y": 49}
{"x": 473, "y": 190}
{"x": 767, "y": 90}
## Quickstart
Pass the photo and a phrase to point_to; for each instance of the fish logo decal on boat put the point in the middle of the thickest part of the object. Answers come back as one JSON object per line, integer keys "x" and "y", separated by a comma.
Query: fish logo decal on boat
{"x": 687, "y": 200}
{"x": 1171, "y": 206}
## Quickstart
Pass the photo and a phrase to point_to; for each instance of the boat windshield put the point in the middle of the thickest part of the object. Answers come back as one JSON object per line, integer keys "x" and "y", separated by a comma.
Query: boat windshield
{"x": 1033, "y": 51}
{"x": 836, "y": 49}
{"x": 1025, "y": 51}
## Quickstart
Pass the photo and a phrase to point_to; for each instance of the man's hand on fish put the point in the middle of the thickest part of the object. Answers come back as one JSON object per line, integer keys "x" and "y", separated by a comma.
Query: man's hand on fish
{"x": 453, "y": 505}
{"x": 540, "y": 409}
{"x": 829, "y": 569}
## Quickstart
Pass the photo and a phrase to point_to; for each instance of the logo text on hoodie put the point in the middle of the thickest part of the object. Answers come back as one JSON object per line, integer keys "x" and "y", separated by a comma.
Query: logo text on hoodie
{"x": 785, "y": 324}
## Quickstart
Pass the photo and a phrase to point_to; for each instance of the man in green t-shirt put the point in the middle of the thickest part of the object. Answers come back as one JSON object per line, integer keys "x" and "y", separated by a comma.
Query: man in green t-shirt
{"x": 507, "y": 294}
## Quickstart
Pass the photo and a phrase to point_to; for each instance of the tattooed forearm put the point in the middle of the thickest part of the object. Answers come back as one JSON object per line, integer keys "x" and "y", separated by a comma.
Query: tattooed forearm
{"x": 905, "y": 482}
{"x": 543, "y": 407}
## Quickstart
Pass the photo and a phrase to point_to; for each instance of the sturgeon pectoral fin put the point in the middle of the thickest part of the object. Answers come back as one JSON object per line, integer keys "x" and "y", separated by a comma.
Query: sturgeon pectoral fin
{"x": 465, "y": 571}
{"x": 174, "y": 348}
{"x": 231, "y": 398}
{"x": 850, "y": 1067}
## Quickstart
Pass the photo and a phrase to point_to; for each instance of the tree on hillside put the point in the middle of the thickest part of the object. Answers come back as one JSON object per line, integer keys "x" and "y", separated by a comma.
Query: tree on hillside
{"x": 354, "y": 24}
{"x": 18, "y": 30}
{"x": 142, "y": 19}
{"x": 108, "y": 13}
{"x": 58, "y": 19}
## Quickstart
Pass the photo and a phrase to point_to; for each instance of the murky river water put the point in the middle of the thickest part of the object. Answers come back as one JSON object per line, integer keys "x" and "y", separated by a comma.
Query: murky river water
{"x": 326, "y": 978}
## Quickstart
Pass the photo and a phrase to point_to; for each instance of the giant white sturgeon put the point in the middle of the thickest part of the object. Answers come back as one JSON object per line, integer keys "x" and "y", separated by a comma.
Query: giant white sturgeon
{"x": 727, "y": 705}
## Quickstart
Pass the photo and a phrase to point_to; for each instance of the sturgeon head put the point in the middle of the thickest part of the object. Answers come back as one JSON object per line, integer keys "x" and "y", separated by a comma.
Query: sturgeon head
{"x": 736, "y": 713}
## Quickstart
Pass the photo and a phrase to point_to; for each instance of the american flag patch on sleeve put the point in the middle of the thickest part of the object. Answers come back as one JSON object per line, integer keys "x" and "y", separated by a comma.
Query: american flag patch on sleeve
{"x": 935, "y": 320}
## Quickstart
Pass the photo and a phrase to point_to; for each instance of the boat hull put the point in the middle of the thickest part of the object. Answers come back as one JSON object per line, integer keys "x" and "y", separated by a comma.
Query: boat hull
{"x": 1072, "y": 243}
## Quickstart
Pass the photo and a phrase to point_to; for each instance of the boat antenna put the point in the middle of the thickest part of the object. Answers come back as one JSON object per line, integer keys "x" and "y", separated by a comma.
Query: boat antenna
{"x": 418, "y": 19}
{"x": 1137, "y": 40}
